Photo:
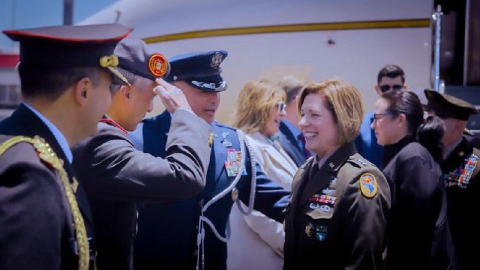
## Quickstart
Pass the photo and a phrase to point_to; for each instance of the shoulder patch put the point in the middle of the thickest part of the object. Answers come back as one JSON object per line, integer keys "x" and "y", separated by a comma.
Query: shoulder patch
{"x": 368, "y": 185}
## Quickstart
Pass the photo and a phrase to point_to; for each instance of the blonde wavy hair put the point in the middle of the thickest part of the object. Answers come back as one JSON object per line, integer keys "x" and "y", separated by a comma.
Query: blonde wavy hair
{"x": 345, "y": 103}
{"x": 254, "y": 103}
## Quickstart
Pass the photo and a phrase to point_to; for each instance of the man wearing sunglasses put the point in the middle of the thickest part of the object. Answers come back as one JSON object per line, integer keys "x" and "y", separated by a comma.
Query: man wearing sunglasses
{"x": 390, "y": 77}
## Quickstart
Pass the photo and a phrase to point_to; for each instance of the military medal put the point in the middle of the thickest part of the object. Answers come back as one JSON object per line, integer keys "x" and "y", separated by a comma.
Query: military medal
{"x": 233, "y": 163}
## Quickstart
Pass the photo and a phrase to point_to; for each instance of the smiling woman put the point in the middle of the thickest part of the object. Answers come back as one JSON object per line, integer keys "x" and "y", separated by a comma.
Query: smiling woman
{"x": 340, "y": 201}
{"x": 260, "y": 108}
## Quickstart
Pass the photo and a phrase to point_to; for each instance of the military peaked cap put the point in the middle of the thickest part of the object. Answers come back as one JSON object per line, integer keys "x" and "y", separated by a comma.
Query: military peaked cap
{"x": 134, "y": 57}
{"x": 446, "y": 106}
{"x": 199, "y": 69}
{"x": 71, "y": 46}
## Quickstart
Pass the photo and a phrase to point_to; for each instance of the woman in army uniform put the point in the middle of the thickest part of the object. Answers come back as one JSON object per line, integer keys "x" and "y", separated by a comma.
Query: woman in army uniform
{"x": 418, "y": 234}
{"x": 337, "y": 215}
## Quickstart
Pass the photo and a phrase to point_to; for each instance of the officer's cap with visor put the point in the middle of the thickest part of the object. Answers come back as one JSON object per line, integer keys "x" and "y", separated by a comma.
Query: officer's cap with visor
{"x": 446, "y": 106}
{"x": 200, "y": 70}
{"x": 133, "y": 56}
{"x": 71, "y": 46}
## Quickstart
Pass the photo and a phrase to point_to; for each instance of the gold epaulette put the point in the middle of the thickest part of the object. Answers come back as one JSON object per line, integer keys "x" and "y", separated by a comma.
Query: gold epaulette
{"x": 49, "y": 158}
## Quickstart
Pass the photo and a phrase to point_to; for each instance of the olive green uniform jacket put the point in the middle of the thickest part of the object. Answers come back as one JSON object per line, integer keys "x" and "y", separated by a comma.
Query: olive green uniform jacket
{"x": 337, "y": 216}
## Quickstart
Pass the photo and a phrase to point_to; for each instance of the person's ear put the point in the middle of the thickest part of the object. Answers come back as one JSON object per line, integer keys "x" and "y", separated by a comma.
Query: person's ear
{"x": 82, "y": 90}
{"x": 124, "y": 91}
{"x": 378, "y": 90}
{"x": 405, "y": 86}
{"x": 402, "y": 120}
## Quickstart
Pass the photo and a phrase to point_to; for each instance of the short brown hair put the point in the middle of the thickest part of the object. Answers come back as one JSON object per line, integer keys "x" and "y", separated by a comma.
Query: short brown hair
{"x": 343, "y": 101}
{"x": 254, "y": 103}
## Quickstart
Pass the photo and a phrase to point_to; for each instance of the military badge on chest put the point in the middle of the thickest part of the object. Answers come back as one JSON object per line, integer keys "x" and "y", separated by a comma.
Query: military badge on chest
{"x": 233, "y": 163}
{"x": 461, "y": 176}
{"x": 319, "y": 231}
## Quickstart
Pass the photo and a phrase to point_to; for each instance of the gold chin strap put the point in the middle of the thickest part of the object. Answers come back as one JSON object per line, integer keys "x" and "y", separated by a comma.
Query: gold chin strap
{"x": 47, "y": 155}
{"x": 110, "y": 62}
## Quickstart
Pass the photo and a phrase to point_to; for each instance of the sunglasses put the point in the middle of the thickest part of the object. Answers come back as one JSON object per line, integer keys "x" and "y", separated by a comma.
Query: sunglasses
{"x": 384, "y": 88}
{"x": 281, "y": 106}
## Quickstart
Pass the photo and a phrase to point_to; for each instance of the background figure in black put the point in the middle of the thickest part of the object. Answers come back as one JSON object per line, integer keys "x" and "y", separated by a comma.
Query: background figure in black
{"x": 460, "y": 168}
{"x": 418, "y": 232}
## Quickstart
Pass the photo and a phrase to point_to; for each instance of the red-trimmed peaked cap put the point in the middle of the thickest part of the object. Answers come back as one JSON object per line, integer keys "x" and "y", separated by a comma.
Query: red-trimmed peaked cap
{"x": 71, "y": 46}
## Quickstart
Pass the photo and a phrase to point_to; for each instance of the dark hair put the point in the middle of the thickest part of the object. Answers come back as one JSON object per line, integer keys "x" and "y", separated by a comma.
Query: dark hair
{"x": 428, "y": 133}
{"x": 391, "y": 71}
{"x": 51, "y": 82}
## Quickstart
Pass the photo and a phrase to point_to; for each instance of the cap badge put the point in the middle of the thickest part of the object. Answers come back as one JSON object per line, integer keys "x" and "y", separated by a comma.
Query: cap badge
{"x": 109, "y": 61}
{"x": 216, "y": 60}
{"x": 368, "y": 185}
{"x": 158, "y": 64}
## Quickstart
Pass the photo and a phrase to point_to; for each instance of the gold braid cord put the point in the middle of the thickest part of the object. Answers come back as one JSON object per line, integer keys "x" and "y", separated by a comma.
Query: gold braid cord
{"x": 47, "y": 155}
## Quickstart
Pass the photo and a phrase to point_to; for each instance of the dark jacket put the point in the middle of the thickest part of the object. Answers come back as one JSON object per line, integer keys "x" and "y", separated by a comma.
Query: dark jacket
{"x": 168, "y": 232}
{"x": 346, "y": 230}
{"x": 418, "y": 232}
{"x": 36, "y": 221}
{"x": 289, "y": 144}
{"x": 117, "y": 176}
{"x": 461, "y": 173}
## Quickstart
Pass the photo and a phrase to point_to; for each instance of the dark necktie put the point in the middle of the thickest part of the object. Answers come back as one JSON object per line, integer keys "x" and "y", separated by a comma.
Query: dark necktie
{"x": 306, "y": 153}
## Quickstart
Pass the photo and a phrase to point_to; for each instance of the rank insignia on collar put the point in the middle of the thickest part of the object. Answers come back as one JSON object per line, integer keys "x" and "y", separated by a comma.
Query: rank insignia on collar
{"x": 368, "y": 185}
{"x": 210, "y": 139}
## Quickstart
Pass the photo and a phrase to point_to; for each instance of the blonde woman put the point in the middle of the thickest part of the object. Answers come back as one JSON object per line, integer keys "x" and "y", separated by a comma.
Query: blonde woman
{"x": 256, "y": 240}
{"x": 337, "y": 215}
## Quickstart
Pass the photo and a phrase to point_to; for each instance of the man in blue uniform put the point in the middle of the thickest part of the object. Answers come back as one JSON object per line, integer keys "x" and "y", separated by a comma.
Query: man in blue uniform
{"x": 116, "y": 176}
{"x": 194, "y": 232}
{"x": 389, "y": 77}
{"x": 66, "y": 73}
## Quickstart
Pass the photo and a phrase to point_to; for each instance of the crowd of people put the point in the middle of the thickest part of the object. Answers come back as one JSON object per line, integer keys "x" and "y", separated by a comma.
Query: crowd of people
{"x": 302, "y": 178}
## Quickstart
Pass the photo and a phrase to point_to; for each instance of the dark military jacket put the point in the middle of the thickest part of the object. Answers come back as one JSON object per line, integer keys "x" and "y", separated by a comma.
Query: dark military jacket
{"x": 461, "y": 174}
{"x": 36, "y": 223}
{"x": 337, "y": 216}
{"x": 418, "y": 231}
{"x": 290, "y": 145}
{"x": 117, "y": 176}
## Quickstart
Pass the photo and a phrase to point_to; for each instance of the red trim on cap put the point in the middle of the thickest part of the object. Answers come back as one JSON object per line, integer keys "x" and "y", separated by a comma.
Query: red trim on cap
{"x": 8, "y": 60}
{"x": 25, "y": 34}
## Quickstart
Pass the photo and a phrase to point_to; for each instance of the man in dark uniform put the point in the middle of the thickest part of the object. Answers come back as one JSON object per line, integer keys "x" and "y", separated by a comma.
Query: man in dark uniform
{"x": 117, "y": 176}
{"x": 291, "y": 137}
{"x": 45, "y": 220}
{"x": 460, "y": 168}
{"x": 194, "y": 232}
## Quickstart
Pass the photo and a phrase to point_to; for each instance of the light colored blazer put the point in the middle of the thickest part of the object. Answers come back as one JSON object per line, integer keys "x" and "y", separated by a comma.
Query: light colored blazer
{"x": 257, "y": 241}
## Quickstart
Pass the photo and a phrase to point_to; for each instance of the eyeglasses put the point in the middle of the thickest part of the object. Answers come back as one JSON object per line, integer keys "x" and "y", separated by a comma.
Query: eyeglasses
{"x": 281, "y": 106}
{"x": 377, "y": 116}
{"x": 384, "y": 88}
